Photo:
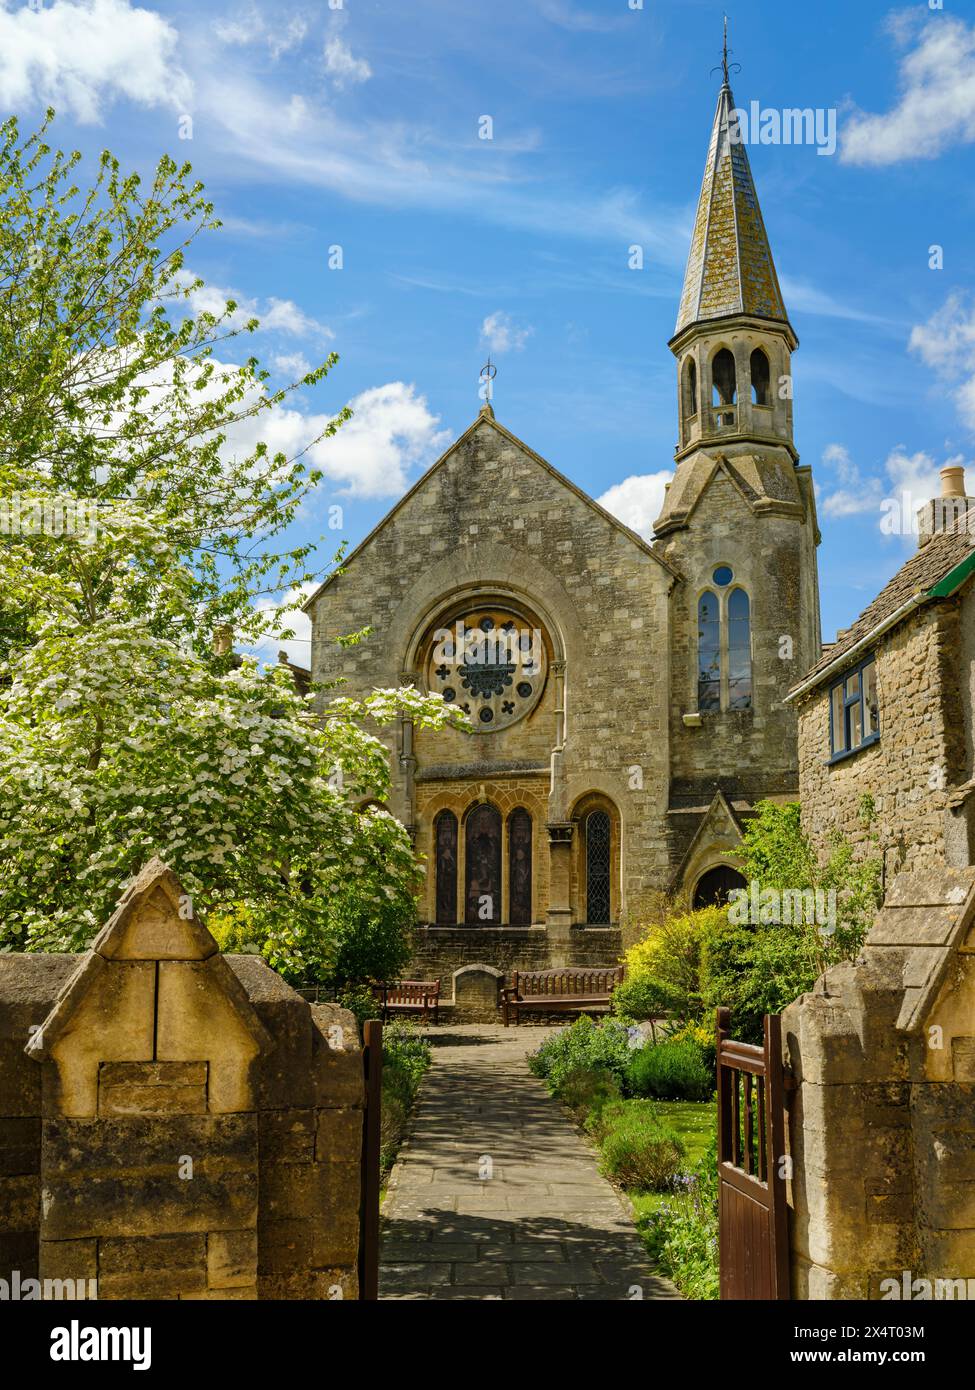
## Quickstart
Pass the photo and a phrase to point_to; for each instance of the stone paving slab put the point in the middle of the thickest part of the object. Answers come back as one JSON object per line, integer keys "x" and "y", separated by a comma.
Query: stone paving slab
{"x": 496, "y": 1196}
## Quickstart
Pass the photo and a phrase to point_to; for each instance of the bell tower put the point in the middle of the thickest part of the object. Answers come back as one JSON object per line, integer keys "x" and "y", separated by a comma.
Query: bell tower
{"x": 739, "y": 518}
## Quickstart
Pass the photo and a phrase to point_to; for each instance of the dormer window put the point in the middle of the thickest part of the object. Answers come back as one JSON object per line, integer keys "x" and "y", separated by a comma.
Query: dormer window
{"x": 854, "y": 711}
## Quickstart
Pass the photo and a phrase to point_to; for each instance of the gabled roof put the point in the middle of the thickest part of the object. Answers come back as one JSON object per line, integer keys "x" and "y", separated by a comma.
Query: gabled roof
{"x": 934, "y": 571}
{"x": 486, "y": 418}
{"x": 730, "y": 269}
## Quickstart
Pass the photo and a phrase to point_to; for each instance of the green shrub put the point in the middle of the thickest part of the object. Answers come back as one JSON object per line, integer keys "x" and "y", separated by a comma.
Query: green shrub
{"x": 360, "y": 1000}
{"x": 670, "y": 1070}
{"x": 406, "y": 1057}
{"x": 637, "y": 1151}
{"x": 587, "y": 1090}
{"x": 583, "y": 1045}
{"x": 640, "y": 997}
{"x": 682, "y": 1233}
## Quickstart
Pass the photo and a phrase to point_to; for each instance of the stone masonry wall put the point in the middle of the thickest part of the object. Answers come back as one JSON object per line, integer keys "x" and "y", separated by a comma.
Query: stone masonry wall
{"x": 174, "y": 1123}
{"x": 492, "y": 521}
{"x": 881, "y": 1124}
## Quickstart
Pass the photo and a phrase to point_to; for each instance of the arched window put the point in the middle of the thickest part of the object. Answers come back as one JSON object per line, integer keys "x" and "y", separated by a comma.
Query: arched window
{"x": 724, "y": 646}
{"x": 760, "y": 378}
{"x": 724, "y": 379}
{"x": 708, "y": 652}
{"x": 739, "y": 651}
{"x": 597, "y": 869}
{"x": 712, "y": 888}
{"x": 690, "y": 387}
{"x": 520, "y": 868}
{"x": 445, "y": 849}
{"x": 482, "y": 842}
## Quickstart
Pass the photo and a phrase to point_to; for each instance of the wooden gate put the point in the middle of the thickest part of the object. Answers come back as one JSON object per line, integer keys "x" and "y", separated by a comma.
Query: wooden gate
{"x": 372, "y": 1062}
{"x": 753, "y": 1230}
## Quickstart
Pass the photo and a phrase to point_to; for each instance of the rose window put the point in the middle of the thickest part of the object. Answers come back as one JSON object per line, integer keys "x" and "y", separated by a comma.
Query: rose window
{"x": 492, "y": 664}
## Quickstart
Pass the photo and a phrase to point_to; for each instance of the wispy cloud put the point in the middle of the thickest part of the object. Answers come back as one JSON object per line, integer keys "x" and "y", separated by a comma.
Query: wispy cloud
{"x": 340, "y": 64}
{"x": 936, "y": 107}
{"x": 500, "y": 333}
{"x": 947, "y": 344}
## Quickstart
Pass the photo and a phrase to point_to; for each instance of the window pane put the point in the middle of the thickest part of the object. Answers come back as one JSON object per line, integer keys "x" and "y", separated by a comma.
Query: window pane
{"x": 871, "y": 709}
{"x": 739, "y": 651}
{"x": 853, "y": 686}
{"x": 839, "y": 721}
{"x": 856, "y": 725}
{"x": 597, "y": 868}
{"x": 708, "y": 653}
{"x": 708, "y": 695}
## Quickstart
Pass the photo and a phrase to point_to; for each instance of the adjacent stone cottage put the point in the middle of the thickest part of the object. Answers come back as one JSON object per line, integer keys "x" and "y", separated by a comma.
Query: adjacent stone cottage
{"x": 888, "y": 710}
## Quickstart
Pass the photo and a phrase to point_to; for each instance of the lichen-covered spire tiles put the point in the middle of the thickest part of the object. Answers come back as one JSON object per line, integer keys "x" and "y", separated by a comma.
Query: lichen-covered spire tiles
{"x": 730, "y": 268}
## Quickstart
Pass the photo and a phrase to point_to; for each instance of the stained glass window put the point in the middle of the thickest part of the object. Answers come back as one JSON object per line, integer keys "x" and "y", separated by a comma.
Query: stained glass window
{"x": 482, "y": 842}
{"x": 520, "y": 868}
{"x": 445, "y": 840}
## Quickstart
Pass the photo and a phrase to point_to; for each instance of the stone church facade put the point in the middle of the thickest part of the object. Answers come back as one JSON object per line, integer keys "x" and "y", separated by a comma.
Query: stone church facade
{"x": 626, "y": 697}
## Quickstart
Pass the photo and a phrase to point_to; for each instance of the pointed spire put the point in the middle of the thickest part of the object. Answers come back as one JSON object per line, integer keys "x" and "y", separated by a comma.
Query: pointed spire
{"x": 730, "y": 268}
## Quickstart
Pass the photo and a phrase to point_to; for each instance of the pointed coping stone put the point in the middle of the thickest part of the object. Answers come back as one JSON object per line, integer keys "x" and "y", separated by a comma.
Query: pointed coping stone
{"x": 154, "y": 921}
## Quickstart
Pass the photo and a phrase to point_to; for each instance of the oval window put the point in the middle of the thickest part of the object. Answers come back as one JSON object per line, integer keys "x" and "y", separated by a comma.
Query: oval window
{"x": 723, "y": 575}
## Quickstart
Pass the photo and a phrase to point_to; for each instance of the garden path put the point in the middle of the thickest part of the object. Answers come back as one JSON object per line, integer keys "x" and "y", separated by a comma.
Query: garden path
{"x": 496, "y": 1195}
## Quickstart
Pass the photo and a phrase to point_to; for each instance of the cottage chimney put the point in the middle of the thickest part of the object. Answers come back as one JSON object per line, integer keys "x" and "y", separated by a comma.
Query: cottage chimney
{"x": 947, "y": 511}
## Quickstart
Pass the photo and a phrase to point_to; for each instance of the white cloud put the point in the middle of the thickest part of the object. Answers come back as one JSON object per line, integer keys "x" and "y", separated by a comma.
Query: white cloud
{"x": 637, "y": 501}
{"x": 936, "y": 108}
{"x": 500, "y": 333}
{"x": 80, "y": 55}
{"x": 341, "y": 66}
{"x": 908, "y": 480}
{"x": 391, "y": 435}
{"x": 855, "y": 493}
{"x": 292, "y": 364}
{"x": 947, "y": 343}
{"x": 277, "y": 315}
{"x": 298, "y": 647}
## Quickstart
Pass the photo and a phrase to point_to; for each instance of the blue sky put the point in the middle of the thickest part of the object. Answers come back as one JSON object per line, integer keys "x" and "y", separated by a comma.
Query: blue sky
{"x": 357, "y": 125}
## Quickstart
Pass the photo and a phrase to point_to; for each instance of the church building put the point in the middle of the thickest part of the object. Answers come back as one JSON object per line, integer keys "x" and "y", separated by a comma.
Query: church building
{"x": 626, "y": 696}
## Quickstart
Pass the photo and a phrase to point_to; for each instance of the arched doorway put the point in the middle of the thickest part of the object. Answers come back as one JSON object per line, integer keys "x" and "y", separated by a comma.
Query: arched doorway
{"x": 482, "y": 841}
{"x": 712, "y": 888}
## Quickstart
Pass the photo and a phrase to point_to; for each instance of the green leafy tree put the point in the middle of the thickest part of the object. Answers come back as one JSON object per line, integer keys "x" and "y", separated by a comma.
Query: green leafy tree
{"x": 122, "y": 733}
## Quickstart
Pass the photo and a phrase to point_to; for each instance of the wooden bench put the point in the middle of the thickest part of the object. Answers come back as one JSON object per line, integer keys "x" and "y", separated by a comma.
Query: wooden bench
{"x": 551, "y": 991}
{"x": 410, "y": 996}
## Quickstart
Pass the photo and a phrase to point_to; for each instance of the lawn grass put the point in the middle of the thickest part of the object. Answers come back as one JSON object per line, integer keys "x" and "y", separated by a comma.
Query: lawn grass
{"x": 693, "y": 1121}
